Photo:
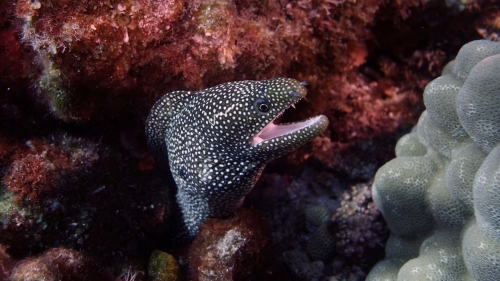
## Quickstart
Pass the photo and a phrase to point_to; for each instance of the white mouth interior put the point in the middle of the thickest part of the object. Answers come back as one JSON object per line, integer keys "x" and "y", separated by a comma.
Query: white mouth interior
{"x": 272, "y": 130}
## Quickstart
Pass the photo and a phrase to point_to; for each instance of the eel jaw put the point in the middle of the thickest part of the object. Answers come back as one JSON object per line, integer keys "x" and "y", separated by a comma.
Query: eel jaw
{"x": 271, "y": 130}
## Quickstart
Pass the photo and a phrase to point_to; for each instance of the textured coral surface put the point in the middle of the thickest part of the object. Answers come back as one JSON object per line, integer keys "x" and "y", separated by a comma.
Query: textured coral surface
{"x": 78, "y": 78}
{"x": 440, "y": 195}
{"x": 239, "y": 248}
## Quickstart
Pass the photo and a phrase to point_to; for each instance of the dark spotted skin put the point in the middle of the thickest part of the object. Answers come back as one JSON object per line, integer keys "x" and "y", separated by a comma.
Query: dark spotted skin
{"x": 207, "y": 137}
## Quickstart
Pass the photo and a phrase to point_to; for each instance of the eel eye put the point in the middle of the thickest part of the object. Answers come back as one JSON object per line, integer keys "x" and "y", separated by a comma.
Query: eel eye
{"x": 262, "y": 105}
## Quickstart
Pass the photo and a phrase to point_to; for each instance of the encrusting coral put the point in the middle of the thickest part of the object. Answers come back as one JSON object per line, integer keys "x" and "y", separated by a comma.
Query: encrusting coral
{"x": 440, "y": 195}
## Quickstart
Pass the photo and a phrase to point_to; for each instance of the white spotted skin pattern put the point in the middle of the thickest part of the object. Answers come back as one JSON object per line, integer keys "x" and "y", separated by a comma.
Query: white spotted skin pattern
{"x": 207, "y": 136}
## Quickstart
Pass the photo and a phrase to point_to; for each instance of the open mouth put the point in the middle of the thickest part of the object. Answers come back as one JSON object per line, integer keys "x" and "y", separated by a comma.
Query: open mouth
{"x": 271, "y": 130}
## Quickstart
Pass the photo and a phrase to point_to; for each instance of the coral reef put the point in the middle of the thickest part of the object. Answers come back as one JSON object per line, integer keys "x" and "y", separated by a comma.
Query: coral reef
{"x": 357, "y": 225}
{"x": 94, "y": 61}
{"x": 78, "y": 78}
{"x": 440, "y": 195}
{"x": 300, "y": 266}
{"x": 321, "y": 244}
{"x": 152, "y": 47}
{"x": 40, "y": 170}
{"x": 489, "y": 24}
{"x": 64, "y": 190}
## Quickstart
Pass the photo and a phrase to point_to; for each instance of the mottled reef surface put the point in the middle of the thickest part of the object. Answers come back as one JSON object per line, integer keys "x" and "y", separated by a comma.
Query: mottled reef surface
{"x": 80, "y": 198}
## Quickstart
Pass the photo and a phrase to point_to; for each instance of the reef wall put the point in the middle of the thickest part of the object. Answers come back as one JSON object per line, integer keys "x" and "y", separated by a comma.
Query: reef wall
{"x": 78, "y": 78}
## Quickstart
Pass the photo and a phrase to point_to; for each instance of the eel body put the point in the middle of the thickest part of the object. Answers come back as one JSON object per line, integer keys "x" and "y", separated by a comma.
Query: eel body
{"x": 218, "y": 140}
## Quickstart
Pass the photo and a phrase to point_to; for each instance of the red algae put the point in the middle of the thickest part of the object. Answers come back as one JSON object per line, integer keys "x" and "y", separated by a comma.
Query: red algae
{"x": 98, "y": 58}
{"x": 76, "y": 43}
{"x": 150, "y": 47}
{"x": 37, "y": 172}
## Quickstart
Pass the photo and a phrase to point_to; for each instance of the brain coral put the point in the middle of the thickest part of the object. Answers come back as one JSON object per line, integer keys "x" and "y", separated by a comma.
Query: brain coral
{"x": 441, "y": 195}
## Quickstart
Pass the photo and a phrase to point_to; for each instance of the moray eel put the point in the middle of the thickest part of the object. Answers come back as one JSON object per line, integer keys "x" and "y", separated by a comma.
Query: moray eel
{"x": 218, "y": 140}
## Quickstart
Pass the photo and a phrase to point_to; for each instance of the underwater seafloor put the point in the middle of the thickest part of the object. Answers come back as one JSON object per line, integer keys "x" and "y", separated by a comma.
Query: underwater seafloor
{"x": 80, "y": 198}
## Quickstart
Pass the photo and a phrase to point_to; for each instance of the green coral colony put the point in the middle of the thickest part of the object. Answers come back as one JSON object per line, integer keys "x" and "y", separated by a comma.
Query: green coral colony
{"x": 218, "y": 140}
{"x": 441, "y": 195}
